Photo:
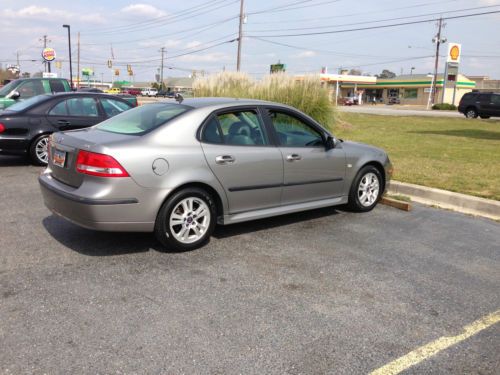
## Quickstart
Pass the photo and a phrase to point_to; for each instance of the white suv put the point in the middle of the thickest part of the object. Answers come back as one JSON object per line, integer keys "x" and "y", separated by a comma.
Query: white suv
{"x": 149, "y": 92}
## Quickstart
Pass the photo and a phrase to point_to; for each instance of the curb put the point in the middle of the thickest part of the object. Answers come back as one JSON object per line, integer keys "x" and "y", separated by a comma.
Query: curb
{"x": 449, "y": 200}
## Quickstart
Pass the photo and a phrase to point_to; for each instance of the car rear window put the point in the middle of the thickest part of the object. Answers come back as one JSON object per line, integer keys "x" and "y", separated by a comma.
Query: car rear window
{"x": 23, "y": 104}
{"x": 143, "y": 119}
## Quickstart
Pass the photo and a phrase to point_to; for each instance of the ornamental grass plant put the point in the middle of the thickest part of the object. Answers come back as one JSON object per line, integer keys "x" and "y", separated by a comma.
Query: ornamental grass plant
{"x": 306, "y": 94}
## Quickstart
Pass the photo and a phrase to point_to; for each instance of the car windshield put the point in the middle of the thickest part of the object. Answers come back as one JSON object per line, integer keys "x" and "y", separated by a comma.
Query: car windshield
{"x": 8, "y": 88}
{"x": 142, "y": 119}
{"x": 23, "y": 104}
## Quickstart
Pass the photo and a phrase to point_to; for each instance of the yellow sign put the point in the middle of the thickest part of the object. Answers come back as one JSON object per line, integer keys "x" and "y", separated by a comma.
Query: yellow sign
{"x": 49, "y": 54}
{"x": 454, "y": 52}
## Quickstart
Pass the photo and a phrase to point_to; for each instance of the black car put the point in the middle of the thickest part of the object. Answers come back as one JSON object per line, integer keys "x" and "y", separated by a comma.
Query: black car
{"x": 165, "y": 94}
{"x": 25, "y": 126}
{"x": 482, "y": 104}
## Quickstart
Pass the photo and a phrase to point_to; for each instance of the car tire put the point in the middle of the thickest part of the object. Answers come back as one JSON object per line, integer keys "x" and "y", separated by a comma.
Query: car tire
{"x": 471, "y": 112}
{"x": 38, "y": 150}
{"x": 484, "y": 116}
{"x": 186, "y": 220}
{"x": 366, "y": 189}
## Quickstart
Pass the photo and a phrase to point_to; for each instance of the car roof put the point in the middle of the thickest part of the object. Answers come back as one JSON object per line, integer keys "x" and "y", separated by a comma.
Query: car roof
{"x": 222, "y": 102}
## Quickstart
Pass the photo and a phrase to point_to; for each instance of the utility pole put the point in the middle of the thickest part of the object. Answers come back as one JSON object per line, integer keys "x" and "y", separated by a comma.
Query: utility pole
{"x": 78, "y": 63}
{"x": 240, "y": 36}
{"x": 162, "y": 50}
{"x": 438, "y": 42}
{"x": 69, "y": 51}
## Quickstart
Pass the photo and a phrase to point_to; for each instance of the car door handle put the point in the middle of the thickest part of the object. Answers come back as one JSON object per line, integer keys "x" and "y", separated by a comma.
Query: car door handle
{"x": 293, "y": 157}
{"x": 63, "y": 122}
{"x": 224, "y": 159}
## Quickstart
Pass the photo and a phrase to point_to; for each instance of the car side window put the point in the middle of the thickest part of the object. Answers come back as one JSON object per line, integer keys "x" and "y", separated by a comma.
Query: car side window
{"x": 59, "y": 109}
{"x": 495, "y": 99}
{"x": 293, "y": 132}
{"x": 113, "y": 107}
{"x": 485, "y": 98}
{"x": 56, "y": 86}
{"x": 30, "y": 89}
{"x": 237, "y": 128}
{"x": 212, "y": 132}
{"x": 82, "y": 107}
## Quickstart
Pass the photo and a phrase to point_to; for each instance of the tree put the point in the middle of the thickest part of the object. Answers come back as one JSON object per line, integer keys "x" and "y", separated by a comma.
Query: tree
{"x": 355, "y": 72}
{"x": 386, "y": 74}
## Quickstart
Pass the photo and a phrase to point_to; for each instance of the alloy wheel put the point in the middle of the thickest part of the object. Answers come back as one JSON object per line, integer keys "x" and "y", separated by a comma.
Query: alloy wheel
{"x": 368, "y": 189}
{"x": 190, "y": 220}
{"x": 41, "y": 150}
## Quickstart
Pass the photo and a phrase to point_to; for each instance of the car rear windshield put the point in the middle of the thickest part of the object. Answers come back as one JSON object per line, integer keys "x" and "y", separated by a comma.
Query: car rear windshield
{"x": 23, "y": 104}
{"x": 8, "y": 88}
{"x": 143, "y": 119}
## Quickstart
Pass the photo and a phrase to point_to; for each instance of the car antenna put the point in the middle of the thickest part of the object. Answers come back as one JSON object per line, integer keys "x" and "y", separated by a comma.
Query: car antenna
{"x": 179, "y": 98}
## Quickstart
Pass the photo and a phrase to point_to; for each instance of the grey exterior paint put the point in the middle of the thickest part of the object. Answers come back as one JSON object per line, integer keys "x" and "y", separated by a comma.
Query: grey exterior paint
{"x": 260, "y": 183}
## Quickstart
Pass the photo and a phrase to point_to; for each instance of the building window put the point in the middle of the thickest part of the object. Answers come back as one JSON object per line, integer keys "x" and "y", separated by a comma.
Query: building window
{"x": 411, "y": 93}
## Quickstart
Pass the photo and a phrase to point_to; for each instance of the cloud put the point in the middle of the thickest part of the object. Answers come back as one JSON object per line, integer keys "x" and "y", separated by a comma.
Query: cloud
{"x": 35, "y": 12}
{"x": 208, "y": 57}
{"x": 193, "y": 44}
{"x": 143, "y": 10}
{"x": 306, "y": 54}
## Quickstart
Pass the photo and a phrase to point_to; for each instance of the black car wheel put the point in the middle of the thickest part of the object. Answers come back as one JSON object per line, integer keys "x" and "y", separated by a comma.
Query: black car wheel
{"x": 38, "y": 151}
{"x": 366, "y": 189}
{"x": 471, "y": 113}
{"x": 186, "y": 220}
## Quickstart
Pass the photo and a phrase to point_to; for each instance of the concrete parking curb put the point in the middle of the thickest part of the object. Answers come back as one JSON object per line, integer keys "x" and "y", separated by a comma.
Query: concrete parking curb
{"x": 446, "y": 199}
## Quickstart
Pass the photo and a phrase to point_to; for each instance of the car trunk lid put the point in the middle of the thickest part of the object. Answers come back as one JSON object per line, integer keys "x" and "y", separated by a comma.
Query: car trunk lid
{"x": 64, "y": 148}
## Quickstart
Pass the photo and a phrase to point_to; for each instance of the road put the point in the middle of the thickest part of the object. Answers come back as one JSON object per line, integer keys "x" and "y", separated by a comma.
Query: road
{"x": 322, "y": 292}
{"x": 389, "y": 110}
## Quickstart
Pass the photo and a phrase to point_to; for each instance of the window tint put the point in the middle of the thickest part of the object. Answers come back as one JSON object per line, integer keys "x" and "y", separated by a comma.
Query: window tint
{"x": 485, "y": 98}
{"x": 23, "y": 104}
{"x": 211, "y": 132}
{"x": 293, "y": 132}
{"x": 495, "y": 99}
{"x": 30, "y": 88}
{"x": 59, "y": 109}
{"x": 56, "y": 86}
{"x": 82, "y": 107}
{"x": 113, "y": 107}
{"x": 242, "y": 128}
{"x": 140, "y": 120}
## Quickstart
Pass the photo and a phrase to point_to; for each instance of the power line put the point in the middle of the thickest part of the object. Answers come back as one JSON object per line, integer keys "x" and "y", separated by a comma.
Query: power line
{"x": 378, "y": 27}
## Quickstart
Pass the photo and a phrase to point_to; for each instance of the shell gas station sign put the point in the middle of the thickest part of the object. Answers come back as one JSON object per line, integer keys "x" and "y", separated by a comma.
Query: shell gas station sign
{"x": 454, "y": 52}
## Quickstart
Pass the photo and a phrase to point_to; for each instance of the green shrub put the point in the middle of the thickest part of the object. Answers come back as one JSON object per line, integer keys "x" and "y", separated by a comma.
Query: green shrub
{"x": 444, "y": 107}
{"x": 307, "y": 94}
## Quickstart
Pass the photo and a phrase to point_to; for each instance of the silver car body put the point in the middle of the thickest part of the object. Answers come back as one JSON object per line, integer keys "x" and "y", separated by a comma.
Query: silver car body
{"x": 260, "y": 182}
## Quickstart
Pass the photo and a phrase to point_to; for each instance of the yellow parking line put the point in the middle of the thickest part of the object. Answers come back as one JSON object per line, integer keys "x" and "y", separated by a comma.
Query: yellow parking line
{"x": 426, "y": 351}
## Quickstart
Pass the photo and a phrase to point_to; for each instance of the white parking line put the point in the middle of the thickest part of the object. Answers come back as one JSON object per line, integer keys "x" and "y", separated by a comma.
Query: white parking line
{"x": 426, "y": 351}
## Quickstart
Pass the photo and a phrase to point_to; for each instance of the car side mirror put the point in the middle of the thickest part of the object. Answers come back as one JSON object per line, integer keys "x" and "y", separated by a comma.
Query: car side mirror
{"x": 14, "y": 95}
{"x": 330, "y": 143}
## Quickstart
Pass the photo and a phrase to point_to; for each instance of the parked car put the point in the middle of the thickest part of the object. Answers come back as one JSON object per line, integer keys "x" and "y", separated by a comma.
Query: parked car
{"x": 26, "y": 88}
{"x": 165, "y": 94}
{"x": 132, "y": 91}
{"x": 128, "y": 97}
{"x": 393, "y": 100}
{"x": 149, "y": 92}
{"x": 113, "y": 90}
{"x": 89, "y": 89}
{"x": 25, "y": 126}
{"x": 482, "y": 104}
{"x": 350, "y": 100}
{"x": 178, "y": 169}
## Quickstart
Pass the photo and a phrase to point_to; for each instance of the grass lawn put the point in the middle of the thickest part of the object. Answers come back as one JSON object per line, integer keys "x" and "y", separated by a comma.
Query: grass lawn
{"x": 454, "y": 154}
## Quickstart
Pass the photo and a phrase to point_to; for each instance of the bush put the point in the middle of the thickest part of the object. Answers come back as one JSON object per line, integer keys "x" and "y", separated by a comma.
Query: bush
{"x": 307, "y": 94}
{"x": 444, "y": 107}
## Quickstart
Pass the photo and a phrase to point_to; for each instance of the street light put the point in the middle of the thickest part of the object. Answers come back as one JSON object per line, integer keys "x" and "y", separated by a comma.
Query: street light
{"x": 69, "y": 46}
{"x": 411, "y": 70}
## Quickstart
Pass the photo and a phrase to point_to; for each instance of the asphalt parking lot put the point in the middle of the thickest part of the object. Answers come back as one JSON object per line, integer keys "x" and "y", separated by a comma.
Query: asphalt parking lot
{"x": 322, "y": 292}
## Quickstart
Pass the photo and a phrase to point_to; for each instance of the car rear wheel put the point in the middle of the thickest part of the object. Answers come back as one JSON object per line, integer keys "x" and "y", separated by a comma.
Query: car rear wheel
{"x": 471, "y": 113}
{"x": 366, "y": 189}
{"x": 39, "y": 154}
{"x": 186, "y": 220}
{"x": 484, "y": 116}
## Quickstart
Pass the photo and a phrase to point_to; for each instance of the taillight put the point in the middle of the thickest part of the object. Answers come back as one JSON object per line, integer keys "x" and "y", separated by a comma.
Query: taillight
{"x": 2, "y": 127}
{"x": 100, "y": 165}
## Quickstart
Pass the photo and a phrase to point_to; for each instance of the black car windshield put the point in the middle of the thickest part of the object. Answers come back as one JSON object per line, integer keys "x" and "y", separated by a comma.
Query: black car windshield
{"x": 8, "y": 88}
{"x": 143, "y": 119}
{"x": 23, "y": 104}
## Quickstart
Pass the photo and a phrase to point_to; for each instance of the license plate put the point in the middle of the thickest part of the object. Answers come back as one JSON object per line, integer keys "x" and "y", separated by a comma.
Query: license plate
{"x": 59, "y": 158}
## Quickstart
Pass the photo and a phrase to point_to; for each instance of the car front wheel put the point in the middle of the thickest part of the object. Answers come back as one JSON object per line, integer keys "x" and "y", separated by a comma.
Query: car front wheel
{"x": 186, "y": 220}
{"x": 471, "y": 113}
{"x": 366, "y": 189}
{"x": 39, "y": 154}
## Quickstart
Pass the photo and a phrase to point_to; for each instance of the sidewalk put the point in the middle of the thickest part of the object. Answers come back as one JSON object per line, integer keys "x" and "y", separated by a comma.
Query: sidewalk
{"x": 397, "y": 110}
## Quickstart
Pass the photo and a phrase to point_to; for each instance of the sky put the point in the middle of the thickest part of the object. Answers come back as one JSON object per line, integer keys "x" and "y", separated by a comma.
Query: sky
{"x": 201, "y": 35}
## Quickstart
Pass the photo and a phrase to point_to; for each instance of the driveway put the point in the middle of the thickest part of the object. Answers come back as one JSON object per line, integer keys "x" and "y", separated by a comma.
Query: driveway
{"x": 322, "y": 292}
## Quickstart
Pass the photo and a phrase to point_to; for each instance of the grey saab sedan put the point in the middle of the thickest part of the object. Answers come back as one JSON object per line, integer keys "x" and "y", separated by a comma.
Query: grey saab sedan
{"x": 178, "y": 169}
